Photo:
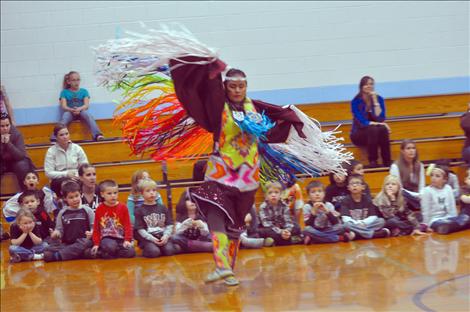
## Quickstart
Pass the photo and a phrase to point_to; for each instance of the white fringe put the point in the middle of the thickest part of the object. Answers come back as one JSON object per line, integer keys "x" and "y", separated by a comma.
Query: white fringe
{"x": 321, "y": 150}
{"x": 141, "y": 54}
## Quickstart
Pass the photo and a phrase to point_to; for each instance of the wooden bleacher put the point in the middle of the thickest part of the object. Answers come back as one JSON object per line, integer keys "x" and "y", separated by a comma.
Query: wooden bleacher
{"x": 433, "y": 122}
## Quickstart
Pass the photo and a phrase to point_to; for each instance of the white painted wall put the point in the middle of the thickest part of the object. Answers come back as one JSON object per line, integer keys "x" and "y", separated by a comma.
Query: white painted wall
{"x": 280, "y": 45}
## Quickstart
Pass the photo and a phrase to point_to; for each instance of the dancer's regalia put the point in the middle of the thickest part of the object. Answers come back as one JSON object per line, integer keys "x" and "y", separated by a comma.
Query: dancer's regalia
{"x": 259, "y": 142}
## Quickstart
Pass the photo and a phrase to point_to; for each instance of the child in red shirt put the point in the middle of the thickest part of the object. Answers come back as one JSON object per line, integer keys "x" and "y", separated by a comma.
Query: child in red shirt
{"x": 112, "y": 231}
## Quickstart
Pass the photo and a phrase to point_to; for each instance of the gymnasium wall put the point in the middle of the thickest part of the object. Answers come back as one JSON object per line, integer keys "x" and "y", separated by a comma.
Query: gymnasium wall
{"x": 293, "y": 52}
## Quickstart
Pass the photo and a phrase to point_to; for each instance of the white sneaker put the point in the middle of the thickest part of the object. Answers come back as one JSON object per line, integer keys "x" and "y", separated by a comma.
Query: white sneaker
{"x": 38, "y": 257}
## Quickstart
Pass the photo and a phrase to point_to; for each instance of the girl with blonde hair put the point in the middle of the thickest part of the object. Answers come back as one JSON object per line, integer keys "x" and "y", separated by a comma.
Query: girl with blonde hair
{"x": 391, "y": 204}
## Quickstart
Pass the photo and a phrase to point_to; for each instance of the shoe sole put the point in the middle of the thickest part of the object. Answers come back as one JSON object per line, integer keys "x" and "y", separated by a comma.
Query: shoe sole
{"x": 231, "y": 282}
{"x": 219, "y": 277}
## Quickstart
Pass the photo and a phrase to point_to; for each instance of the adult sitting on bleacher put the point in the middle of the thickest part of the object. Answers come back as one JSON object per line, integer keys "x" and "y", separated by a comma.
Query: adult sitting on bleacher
{"x": 13, "y": 153}
{"x": 369, "y": 128}
{"x": 63, "y": 159}
{"x": 465, "y": 124}
{"x": 410, "y": 171}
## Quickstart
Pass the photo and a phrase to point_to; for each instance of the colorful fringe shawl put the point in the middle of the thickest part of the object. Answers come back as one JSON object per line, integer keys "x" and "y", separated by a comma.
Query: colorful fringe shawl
{"x": 159, "y": 126}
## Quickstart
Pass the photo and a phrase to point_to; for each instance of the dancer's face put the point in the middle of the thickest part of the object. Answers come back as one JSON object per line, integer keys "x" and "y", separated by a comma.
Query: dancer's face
{"x": 236, "y": 90}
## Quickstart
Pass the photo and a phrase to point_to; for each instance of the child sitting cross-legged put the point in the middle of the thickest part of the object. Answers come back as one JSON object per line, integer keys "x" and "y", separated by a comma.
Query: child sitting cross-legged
{"x": 359, "y": 213}
{"x": 438, "y": 204}
{"x": 191, "y": 233}
{"x": 322, "y": 222}
{"x": 112, "y": 231}
{"x": 276, "y": 219}
{"x": 26, "y": 242}
{"x": 392, "y": 207}
{"x": 153, "y": 223}
{"x": 73, "y": 230}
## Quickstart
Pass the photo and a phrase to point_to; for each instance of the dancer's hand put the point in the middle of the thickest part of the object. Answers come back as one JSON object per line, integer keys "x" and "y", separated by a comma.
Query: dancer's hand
{"x": 127, "y": 244}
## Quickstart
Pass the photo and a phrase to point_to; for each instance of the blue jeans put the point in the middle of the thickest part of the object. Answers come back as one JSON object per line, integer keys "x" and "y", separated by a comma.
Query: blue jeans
{"x": 68, "y": 117}
{"x": 112, "y": 248}
{"x": 452, "y": 224}
{"x": 328, "y": 235}
{"x": 367, "y": 231}
{"x": 27, "y": 254}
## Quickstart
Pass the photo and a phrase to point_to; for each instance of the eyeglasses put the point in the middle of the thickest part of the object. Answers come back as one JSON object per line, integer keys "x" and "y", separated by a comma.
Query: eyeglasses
{"x": 355, "y": 183}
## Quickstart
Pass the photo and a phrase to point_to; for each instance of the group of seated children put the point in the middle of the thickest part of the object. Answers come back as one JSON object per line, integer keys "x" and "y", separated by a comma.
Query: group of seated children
{"x": 342, "y": 212}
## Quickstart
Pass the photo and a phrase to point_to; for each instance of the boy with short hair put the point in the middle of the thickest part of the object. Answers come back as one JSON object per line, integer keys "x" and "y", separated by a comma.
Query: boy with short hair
{"x": 153, "y": 223}
{"x": 359, "y": 213}
{"x": 73, "y": 230}
{"x": 322, "y": 222}
{"x": 112, "y": 232}
{"x": 30, "y": 200}
{"x": 276, "y": 219}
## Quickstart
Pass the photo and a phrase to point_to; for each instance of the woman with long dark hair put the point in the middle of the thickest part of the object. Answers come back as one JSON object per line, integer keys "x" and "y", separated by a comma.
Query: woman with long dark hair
{"x": 410, "y": 171}
{"x": 369, "y": 128}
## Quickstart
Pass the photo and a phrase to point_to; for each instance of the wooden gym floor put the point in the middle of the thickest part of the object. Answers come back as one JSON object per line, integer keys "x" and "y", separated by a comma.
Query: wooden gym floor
{"x": 393, "y": 274}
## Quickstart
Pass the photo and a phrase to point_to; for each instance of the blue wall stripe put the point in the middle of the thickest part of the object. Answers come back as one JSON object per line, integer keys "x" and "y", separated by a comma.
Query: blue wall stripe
{"x": 393, "y": 89}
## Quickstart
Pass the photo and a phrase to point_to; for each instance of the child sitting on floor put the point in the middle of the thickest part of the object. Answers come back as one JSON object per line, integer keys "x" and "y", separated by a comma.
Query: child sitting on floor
{"x": 26, "y": 241}
{"x": 153, "y": 223}
{"x": 438, "y": 204}
{"x": 392, "y": 207}
{"x": 73, "y": 230}
{"x": 322, "y": 222}
{"x": 275, "y": 218}
{"x": 191, "y": 233}
{"x": 112, "y": 231}
{"x": 359, "y": 214}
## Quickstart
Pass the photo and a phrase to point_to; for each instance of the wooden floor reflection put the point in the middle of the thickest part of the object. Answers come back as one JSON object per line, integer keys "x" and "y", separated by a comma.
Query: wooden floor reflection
{"x": 394, "y": 274}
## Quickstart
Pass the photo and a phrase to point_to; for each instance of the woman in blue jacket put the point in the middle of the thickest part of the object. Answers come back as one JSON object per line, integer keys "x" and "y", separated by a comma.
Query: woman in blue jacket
{"x": 369, "y": 128}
